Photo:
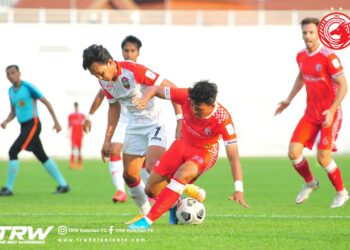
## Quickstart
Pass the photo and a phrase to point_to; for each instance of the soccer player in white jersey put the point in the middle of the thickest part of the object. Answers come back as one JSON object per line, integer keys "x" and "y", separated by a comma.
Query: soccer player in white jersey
{"x": 145, "y": 135}
{"x": 130, "y": 49}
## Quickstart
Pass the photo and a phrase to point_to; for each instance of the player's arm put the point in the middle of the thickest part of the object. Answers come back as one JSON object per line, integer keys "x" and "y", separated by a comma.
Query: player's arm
{"x": 113, "y": 118}
{"x": 342, "y": 90}
{"x": 57, "y": 125}
{"x": 298, "y": 84}
{"x": 94, "y": 106}
{"x": 177, "y": 109}
{"x": 9, "y": 118}
{"x": 236, "y": 169}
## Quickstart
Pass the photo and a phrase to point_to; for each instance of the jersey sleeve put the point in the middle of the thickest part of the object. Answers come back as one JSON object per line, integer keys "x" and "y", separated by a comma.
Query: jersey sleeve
{"x": 228, "y": 132}
{"x": 177, "y": 95}
{"x": 143, "y": 75}
{"x": 34, "y": 91}
{"x": 335, "y": 68}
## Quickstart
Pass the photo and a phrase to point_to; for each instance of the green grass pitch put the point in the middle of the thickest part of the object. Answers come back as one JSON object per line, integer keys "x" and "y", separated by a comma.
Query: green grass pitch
{"x": 274, "y": 221}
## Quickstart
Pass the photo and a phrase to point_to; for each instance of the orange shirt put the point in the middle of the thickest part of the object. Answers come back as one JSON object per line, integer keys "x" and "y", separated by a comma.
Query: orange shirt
{"x": 203, "y": 132}
{"x": 319, "y": 69}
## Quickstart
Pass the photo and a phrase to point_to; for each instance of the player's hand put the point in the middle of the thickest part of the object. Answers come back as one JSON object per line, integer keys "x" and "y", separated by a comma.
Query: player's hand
{"x": 87, "y": 126}
{"x": 282, "y": 106}
{"x": 105, "y": 151}
{"x": 57, "y": 127}
{"x": 178, "y": 129}
{"x": 139, "y": 103}
{"x": 3, "y": 124}
{"x": 328, "y": 119}
{"x": 239, "y": 198}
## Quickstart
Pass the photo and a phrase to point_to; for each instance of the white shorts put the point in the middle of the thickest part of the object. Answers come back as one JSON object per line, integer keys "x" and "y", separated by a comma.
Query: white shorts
{"x": 137, "y": 144}
{"x": 119, "y": 133}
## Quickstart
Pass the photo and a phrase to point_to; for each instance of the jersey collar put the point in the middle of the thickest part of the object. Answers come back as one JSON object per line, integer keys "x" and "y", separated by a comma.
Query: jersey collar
{"x": 119, "y": 70}
{"x": 314, "y": 52}
{"x": 214, "y": 110}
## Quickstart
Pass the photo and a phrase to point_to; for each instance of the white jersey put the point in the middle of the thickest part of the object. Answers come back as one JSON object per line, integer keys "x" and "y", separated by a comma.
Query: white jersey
{"x": 132, "y": 80}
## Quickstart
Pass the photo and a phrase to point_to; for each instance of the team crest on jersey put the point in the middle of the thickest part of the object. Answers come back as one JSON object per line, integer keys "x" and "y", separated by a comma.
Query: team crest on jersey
{"x": 207, "y": 131}
{"x": 125, "y": 82}
{"x": 318, "y": 67}
{"x": 21, "y": 103}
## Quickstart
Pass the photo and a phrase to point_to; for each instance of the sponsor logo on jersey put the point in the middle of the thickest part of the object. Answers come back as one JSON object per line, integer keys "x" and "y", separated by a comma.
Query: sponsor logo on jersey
{"x": 318, "y": 67}
{"x": 334, "y": 30}
{"x": 125, "y": 82}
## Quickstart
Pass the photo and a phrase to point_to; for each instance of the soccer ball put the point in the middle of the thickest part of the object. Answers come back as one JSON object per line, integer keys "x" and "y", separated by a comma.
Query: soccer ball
{"x": 190, "y": 211}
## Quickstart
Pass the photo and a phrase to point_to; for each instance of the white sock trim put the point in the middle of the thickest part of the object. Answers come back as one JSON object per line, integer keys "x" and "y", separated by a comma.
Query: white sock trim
{"x": 332, "y": 166}
{"x": 149, "y": 221}
{"x": 298, "y": 160}
{"x": 176, "y": 186}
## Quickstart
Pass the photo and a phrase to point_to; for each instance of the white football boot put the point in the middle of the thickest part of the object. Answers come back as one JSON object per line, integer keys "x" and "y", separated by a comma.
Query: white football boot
{"x": 340, "y": 199}
{"x": 306, "y": 191}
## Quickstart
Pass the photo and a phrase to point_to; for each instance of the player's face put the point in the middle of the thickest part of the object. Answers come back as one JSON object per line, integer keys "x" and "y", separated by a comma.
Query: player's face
{"x": 310, "y": 36}
{"x": 130, "y": 52}
{"x": 13, "y": 75}
{"x": 105, "y": 72}
{"x": 202, "y": 110}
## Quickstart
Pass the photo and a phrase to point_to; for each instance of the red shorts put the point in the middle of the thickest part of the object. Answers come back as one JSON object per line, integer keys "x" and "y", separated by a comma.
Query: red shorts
{"x": 76, "y": 141}
{"x": 180, "y": 152}
{"x": 306, "y": 133}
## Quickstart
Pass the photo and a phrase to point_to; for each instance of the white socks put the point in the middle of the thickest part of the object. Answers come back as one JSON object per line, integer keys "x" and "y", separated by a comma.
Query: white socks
{"x": 138, "y": 194}
{"x": 116, "y": 169}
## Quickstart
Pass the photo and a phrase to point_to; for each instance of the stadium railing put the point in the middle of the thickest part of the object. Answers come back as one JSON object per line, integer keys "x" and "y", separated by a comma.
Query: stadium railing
{"x": 155, "y": 17}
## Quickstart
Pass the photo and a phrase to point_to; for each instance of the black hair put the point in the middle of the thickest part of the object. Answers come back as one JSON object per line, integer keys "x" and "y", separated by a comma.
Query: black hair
{"x": 309, "y": 20}
{"x": 132, "y": 39}
{"x": 12, "y": 66}
{"x": 203, "y": 92}
{"x": 95, "y": 54}
{"x": 76, "y": 104}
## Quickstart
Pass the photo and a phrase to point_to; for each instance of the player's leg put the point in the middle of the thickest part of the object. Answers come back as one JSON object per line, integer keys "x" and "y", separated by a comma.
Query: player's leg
{"x": 79, "y": 153}
{"x": 324, "y": 157}
{"x": 116, "y": 170}
{"x": 132, "y": 168}
{"x": 304, "y": 136}
{"x": 169, "y": 195}
{"x": 13, "y": 166}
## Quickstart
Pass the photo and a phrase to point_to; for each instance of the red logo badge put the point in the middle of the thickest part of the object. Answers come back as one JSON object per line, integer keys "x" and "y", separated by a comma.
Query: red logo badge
{"x": 334, "y": 30}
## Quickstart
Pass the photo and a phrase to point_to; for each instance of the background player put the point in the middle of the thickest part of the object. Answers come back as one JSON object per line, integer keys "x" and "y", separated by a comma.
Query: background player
{"x": 131, "y": 50}
{"x": 75, "y": 126}
{"x": 326, "y": 87}
{"x": 205, "y": 122}
{"x": 23, "y": 97}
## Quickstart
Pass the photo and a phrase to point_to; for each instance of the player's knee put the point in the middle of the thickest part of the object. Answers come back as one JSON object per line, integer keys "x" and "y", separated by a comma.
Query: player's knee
{"x": 323, "y": 159}
{"x": 13, "y": 153}
{"x": 150, "y": 192}
{"x": 294, "y": 153}
{"x": 130, "y": 179}
{"x": 186, "y": 175}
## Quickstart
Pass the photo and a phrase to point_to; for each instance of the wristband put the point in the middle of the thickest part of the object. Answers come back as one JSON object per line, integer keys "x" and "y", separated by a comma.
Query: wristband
{"x": 178, "y": 117}
{"x": 88, "y": 117}
{"x": 239, "y": 186}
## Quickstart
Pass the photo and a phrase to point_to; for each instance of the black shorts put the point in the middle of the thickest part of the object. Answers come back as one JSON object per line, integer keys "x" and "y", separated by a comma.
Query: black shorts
{"x": 29, "y": 137}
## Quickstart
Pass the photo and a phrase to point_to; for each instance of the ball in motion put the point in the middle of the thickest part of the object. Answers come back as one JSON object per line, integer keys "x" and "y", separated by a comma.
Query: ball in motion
{"x": 190, "y": 211}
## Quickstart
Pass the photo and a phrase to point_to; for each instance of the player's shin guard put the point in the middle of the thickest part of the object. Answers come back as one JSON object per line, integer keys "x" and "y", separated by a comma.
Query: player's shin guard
{"x": 302, "y": 167}
{"x": 13, "y": 168}
{"x": 54, "y": 171}
{"x": 137, "y": 192}
{"x": 335, "y": 176}
{"x": 116, "y": 169}
{"x": 166, "y": 199}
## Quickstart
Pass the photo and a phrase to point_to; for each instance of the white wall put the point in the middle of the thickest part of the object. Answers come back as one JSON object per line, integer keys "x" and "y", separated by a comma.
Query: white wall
{"x": 254, "y": 67}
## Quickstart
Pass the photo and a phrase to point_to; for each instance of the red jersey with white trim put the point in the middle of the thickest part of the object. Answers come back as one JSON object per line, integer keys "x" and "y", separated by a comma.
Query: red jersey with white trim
{"x": 319, "y": 69}
{"x": 202, "y": 132}
{"x": 133, "y": 80}
{"x": 75, "y": 122}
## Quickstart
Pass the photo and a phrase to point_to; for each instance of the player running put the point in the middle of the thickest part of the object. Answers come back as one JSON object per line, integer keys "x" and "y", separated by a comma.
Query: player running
{"x": 23, "y": 100}
{"x": 205, "y": 121}
{"x": 131, "y": 50}
{"x": 75, "y": 126}
{"x": 322, "y": 73}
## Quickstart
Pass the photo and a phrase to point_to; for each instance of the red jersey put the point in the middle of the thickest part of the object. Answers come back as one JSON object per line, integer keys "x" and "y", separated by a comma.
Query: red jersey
{"x": 319, "y": 69}
{"x": 75, "y": 122}
{"x": 202, "y": 132}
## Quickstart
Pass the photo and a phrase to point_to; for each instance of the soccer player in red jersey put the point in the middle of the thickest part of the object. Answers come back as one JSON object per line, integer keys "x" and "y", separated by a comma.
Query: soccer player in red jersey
{"x": 322, "y": 74}
{"x": 75, "y": 125}
{"x": 204, "y": 123}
